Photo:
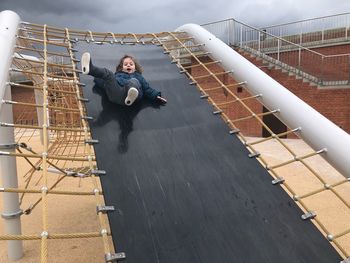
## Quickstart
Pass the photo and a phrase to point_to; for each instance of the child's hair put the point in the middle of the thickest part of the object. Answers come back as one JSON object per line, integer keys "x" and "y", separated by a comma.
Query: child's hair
{"x": 138, "y": 67}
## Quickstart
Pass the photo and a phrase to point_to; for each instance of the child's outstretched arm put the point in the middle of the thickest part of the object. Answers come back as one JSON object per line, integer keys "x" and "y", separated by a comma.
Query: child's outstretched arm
{"x": 151, "y": 93}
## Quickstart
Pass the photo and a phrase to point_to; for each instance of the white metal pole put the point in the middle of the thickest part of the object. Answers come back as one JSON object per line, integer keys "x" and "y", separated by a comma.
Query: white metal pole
{"x": 316, "y": 130}
{"x": 9, "y": 22}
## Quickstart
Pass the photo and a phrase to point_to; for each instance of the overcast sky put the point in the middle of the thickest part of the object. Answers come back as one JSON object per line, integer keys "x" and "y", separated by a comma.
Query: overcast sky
{"x": 166, "y": 15}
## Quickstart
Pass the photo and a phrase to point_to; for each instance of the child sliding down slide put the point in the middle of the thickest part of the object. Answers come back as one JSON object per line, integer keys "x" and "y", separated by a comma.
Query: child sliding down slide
{"x": 126, "y": 85}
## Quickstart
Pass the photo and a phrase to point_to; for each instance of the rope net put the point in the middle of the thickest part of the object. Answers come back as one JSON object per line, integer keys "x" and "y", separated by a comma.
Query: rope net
{"x": 52, "y": 135}
{"x": 320, "y": 191}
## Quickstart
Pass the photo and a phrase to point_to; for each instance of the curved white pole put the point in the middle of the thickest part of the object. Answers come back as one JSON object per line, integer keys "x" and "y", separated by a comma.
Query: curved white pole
{"x": 316, "y": 130}
{"x": 9, "y": 22}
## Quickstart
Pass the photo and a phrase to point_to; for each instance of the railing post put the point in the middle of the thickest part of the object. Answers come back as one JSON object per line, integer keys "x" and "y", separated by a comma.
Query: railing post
{"x": 349, "y": 70}
{"x": 322, "y": 33}
{"x": 278, "y": 49}
{"x": 231, "y": 32}
{"x": 346, "y": 27}
{"x": 241, "y": 36}
{"x": 228, "y": 32}
{"x": 233, "y": 35}
{"x": 322, "y": 71}
{"x": 11, "y": 211}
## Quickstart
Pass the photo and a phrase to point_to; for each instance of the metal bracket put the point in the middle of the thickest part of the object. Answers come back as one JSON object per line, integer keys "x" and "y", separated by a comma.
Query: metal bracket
{"x": 4, "y": 124}
{"x": 28, "y": 210}
{"x": 109, "y": 257}
{"x": 278, "y": 180}
{"x": 254, "y": 155}
{"x": 308, "y": 215}
{"x": 73, "y": 40}
{"x": 71, "y": 173}
{"x": 235, "y": 131}
{"x": 347, "y": 260}
{"x": 24, "y": 146}
{"x": 84, "y": 99}
{"x": 98, "y": 172}
{"x": 12, "y": 215}
{"x": 330, "y": 237}
{"x": 8, "y": 146}
{"x": 104, "y": 209}
{"x": 89, "y": 118}
{"x": 217, "y": 112}
{"x": 91, "y": 141}
{"x": 75, "y": 174}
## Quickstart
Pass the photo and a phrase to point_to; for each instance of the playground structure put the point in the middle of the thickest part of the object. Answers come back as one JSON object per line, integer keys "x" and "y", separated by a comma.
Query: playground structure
{"x": 67, "y": 144}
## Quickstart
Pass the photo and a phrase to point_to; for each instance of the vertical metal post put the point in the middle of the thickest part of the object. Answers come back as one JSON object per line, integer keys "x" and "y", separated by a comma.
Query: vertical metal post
{"x": 279, "y": 44}
{"x": 322, "y": 34}
{"x": 9, "y": 22}
{"x": 348, "y": 69}
{"x": 241, "y": 36}
{"x": 228, "y": 31}
{"x": 278, "y": 49}
{"x": 322, "y": 71}
{"x": 233, "y": 34}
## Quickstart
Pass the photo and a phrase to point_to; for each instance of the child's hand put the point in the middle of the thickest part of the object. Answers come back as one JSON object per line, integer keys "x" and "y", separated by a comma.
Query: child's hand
{"x": 161, "y": 100}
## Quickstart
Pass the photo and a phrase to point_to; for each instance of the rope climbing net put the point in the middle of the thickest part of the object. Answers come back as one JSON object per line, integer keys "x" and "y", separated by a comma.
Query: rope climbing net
{"x": 327, "y": 201}
{"x": 55, "y": 114}
{"x": 53, "y": 111}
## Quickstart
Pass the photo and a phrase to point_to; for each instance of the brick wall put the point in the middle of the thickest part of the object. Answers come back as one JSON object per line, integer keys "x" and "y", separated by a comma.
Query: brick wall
{"x": 24, "y": 114}
{"x": 326, "y": 68}
{"x": 28, "y": 114}
{"x": 333, "y": 103}
{"x": 233, "y": 110}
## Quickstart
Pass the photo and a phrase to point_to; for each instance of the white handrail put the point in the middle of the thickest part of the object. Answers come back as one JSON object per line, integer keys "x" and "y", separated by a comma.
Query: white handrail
{"x": 316, "y": 130}
{"x": 266, "y": 42}
{"x": 9, "y": 22}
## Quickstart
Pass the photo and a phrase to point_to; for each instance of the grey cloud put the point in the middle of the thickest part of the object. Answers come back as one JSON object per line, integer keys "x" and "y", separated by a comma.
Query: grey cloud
{"x": 160, "y": 15}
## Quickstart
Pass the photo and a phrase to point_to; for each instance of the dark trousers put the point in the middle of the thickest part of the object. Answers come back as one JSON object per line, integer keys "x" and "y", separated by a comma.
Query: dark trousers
{"x": 115, "y": 92}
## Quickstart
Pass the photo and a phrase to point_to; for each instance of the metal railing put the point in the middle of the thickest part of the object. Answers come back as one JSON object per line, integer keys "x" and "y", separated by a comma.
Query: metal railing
{"x": 321, "y": 30}
{"x": 286, "y": 53}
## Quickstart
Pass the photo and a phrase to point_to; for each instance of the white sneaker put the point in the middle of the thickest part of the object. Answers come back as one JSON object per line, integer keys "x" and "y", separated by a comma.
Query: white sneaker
{"x": 85, "y": 63}
{"x": 132, "y": 96}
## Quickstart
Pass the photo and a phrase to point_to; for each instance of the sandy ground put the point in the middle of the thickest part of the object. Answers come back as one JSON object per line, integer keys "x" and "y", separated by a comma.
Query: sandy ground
{"x": 66, "y": 214}
{"x": 78, "y": 214}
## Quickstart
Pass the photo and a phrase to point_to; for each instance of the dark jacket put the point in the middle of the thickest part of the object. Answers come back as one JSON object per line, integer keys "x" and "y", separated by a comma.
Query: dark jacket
{"x": 147, "y": 91}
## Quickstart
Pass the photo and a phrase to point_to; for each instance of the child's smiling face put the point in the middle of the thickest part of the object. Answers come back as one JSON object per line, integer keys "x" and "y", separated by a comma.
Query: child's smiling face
{"x": 128, "y": 65}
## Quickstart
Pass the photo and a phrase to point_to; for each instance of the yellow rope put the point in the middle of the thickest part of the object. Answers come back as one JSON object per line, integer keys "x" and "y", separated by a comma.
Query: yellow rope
{"x": 129, "y": 38}
{"x": 44, "y": 158}
{"x": 256, "y": 116}
{"x": 97, "y": 194}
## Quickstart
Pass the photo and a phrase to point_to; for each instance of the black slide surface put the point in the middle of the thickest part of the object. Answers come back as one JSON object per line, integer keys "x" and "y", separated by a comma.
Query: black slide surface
{"x": 184, "y": 189}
